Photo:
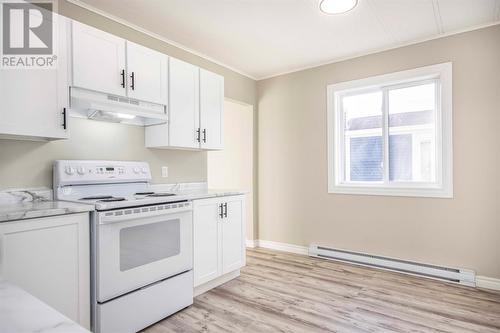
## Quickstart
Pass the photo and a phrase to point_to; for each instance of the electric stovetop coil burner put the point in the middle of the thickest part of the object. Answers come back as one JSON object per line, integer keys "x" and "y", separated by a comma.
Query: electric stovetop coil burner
{"x": 112, "y": 199}
{"x": 161, "y": 195}
{"x": 154, "y": 194}
{"x": 104, "y": 198}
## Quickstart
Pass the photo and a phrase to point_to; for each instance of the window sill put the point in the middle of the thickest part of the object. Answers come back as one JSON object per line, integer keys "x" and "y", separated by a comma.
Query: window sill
{"x": 392, "y": 191}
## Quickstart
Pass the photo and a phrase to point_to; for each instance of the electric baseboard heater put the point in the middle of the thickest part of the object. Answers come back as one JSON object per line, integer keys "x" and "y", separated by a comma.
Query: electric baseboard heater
{"x": 447, "y": 274}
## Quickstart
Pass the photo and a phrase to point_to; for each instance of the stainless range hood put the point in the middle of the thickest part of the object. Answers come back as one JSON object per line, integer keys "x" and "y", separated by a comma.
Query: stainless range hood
{"x": 106, "y": 107}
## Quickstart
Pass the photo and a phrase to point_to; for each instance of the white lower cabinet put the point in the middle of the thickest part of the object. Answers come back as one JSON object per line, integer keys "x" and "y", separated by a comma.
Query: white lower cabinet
{"x": 219, "y": 238}
{"x": 49, "y": 258}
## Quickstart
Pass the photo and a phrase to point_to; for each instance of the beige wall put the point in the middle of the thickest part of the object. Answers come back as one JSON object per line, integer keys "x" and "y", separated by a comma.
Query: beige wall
{"x": 26, "y": 164}
{"x": 294, "y": 206}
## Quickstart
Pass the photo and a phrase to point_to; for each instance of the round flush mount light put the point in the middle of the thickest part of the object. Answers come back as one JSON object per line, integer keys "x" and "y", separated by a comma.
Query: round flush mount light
{"x": 337, "y": 6}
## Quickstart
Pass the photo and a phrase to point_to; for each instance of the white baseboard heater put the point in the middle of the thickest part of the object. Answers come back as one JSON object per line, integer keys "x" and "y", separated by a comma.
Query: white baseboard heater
{"x": 456, "y": 275}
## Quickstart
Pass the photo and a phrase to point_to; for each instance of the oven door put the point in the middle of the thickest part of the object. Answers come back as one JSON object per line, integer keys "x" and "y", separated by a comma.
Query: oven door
{"x": 140, "y": 246}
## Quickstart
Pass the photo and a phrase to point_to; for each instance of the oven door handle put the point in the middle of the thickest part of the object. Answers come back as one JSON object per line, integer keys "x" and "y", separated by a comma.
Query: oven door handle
{"x": 121, "y": 215}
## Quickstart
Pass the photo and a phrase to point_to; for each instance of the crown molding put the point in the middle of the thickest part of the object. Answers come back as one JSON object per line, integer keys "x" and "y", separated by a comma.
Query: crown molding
{"x": 379, "y": 50}
{"x": 130, "y": 25}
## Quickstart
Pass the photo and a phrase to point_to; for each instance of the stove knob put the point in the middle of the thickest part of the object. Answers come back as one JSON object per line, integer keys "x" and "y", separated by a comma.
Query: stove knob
{"x": 137, "y": 170}
{"x": 81, "y": 170}
{"x": 144, "y": 170}
{"x": 70, "y": 170}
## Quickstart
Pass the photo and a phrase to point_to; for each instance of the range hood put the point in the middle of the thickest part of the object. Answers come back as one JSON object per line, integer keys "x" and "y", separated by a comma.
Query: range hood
{"x": 106, "y": 107}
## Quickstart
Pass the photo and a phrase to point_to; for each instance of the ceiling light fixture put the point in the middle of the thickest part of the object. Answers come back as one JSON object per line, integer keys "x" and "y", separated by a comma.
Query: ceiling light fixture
{"x": 337, "y": 6}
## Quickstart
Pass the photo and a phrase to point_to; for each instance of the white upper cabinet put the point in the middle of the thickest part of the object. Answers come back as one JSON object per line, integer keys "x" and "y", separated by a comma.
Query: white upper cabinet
{"x": 211, "y": 110}
{"x": 184, "y": 105}
{"x": 98, "y": 60}
{"x": 196, "y": 110}
{"x": 194, "y": 97}
{"x": 147, "y": 74}
{"x": 33, "y": 102}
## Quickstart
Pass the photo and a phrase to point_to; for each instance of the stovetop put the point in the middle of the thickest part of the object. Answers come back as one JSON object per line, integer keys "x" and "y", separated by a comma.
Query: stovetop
{"x": 136, "y": 196}
{"x": 105, "y": 202}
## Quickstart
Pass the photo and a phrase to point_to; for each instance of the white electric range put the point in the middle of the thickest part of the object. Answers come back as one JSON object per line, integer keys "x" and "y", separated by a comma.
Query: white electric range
{"x": 141, "y": 243}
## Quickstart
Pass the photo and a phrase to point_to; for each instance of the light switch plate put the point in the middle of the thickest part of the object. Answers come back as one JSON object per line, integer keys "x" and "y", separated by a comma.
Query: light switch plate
{"x": 164, "y": 171}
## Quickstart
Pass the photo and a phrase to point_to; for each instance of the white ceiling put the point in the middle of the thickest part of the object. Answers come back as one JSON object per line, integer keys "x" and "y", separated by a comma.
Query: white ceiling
{"x": 262, "y": 38}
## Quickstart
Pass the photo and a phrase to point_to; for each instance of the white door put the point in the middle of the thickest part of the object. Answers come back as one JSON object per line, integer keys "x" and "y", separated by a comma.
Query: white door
{"x": 207, "y": 242}
{"x": 211, "y": 110}
{"x": 137, "y": 247}
{"x": 147, "y": 74}
{"x": 233, "y": 240}
{"x": 98, "y": 60}
{"x": 184, "y": 104}
{"x": 49, "y": 258}
{"x": 33, "y": 102}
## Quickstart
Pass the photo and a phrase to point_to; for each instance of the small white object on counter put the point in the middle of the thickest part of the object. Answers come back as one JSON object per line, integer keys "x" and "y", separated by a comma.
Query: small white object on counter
{"x": 22, "y": 313}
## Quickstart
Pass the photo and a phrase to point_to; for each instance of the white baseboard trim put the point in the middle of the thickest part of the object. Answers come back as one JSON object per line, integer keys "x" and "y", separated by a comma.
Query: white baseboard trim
{"x": 251, "y": 243}
{"x": 481, "y": 281}
{"x": 283, "y": 247}
{"x": 487, "y": 282}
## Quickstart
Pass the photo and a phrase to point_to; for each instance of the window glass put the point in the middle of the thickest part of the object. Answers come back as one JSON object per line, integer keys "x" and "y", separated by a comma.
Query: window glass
{"x": 412, "y": 133}
{"x": 363, "y": 148}
{"x": 392, "y": 134}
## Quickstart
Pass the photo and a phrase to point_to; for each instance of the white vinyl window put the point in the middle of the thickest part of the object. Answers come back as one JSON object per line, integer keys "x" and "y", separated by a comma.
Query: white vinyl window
{"x": 392, "y": 134}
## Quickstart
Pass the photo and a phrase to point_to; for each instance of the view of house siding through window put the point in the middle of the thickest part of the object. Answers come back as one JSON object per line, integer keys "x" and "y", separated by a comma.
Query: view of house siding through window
{"x": 411, "y": 131}
{"x": 363, "y": 137}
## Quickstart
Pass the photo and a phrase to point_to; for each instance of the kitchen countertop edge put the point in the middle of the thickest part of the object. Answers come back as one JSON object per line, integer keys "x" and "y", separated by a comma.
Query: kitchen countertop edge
{"x": 40, "y": 209}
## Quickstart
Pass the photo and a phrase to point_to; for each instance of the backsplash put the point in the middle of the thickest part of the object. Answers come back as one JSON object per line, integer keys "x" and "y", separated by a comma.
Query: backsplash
{"x": 18, "y": 195}
{"x": 14, "y": 196}
{"x": 29, "y": 163}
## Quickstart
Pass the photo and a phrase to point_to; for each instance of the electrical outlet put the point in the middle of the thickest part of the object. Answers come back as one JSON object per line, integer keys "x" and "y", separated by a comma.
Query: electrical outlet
{"x": 164, "y": 171}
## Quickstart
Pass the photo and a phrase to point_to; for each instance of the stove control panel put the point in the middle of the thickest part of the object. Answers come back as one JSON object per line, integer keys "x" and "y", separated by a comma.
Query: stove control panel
{"x": 74, "y": 172}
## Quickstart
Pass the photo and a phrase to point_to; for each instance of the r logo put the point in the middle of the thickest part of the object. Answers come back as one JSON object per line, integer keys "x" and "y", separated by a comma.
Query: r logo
{"x": 27, "y": 28}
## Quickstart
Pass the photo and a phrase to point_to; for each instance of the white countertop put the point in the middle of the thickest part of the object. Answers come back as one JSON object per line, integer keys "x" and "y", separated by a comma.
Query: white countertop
{"x": 36, "y": 209}
{"x": 23, "y": 204}
{"x": 21, "y": 312}
{"x": 204, "y": 194}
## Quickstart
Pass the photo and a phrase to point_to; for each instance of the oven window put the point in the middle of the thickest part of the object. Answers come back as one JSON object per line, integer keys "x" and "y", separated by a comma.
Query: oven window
{"x": 144, "y": 244}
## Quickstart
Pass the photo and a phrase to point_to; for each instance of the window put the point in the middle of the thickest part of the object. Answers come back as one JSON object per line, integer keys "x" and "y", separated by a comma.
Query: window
{"x": 392, "y": 134}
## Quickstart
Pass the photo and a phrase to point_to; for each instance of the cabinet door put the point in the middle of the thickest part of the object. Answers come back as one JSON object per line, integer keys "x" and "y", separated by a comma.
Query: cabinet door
{"x": 49, "y": 258}
{"x": 98, "y": 60}
{"x": 184, "y": 104}
{"x": 233, "y": 239}
{"x": 147, "y": 74}
{"x": 206, "y": 241}
{"x": 33, "y": 101}
{"x": 211, "y": 110}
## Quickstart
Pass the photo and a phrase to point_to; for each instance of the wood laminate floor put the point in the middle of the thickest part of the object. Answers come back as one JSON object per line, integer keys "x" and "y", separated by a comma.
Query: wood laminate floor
{"x": 282, "y": 292}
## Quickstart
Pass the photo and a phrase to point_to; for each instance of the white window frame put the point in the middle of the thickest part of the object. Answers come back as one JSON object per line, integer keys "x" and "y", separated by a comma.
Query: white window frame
{"x": 443, "y": 187}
